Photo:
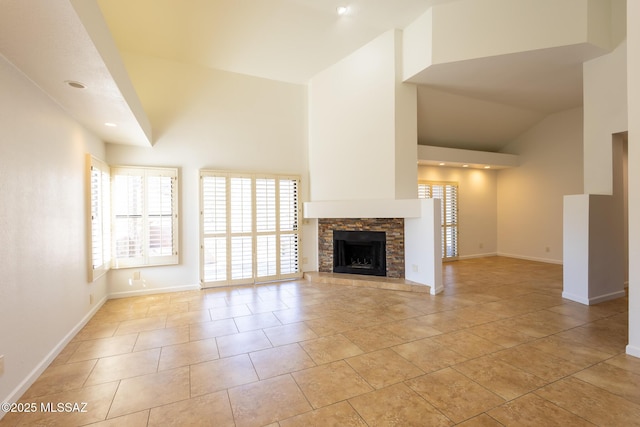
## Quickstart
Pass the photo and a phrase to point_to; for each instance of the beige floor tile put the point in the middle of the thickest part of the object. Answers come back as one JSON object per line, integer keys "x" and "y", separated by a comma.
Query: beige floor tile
{"x": 96, "y": 329}
{"x": 256, "y": 321}
{"x": 411, "y": 329}
{"x": 482, "y": 420}
{"x": 373, "y": 338}
{"x": 449, "y": 391}
{"x": 466, "y": 343}
{"x": 148, "y": 391}
{"x": 94, "y": 349}
{"x": 428, "y": 355}
{"x": 185, "y": 354}
{"x": 338, "y": 415}
{"x": 501, "y": 378}
{"x": 500, "y": 325}
{"x": 500, "y": 334}
{"x": 187, "y": 318}
{"x": 97, "y": 398}
{"x": 267, "y": 401}
{"x": 211, "y": 409}
{"x": 331, "y": 348}
{"x": 280, "y": 360}
{"x": 626, "y": 362}
{"x": 397, "y": 405}
{"x": 616, "y": 380}
{"x": 161, "y": 337}
{"x": 533, "y": 411}
{"x": 289, "y": 333}
{"x": 140, "y": 325}
{"x": 330, "y": 383}
{"x": 592, "y": 403}
{"x": 124, "y": 366}
{"x": 138, "y": 419}
{"x": 216, "y": 328}
{"x": 243, "y": 342}
{"x": 536, "y": 362}
{"x": 58, "y": 378}
{"x": 219, "y": 313}
{"x": 383, "y": 367}
{"x": 209, "y": 377}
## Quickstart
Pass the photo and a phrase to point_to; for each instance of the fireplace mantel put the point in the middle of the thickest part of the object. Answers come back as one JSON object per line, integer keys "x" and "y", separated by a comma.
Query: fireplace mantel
{"x": 404, "y": 208}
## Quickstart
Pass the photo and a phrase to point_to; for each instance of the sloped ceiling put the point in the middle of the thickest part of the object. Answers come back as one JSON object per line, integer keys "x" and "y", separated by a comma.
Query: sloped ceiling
{"x": 481, "y": 104}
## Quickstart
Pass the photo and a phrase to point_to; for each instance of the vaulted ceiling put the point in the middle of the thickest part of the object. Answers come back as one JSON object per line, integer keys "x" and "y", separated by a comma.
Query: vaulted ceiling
{"x": 481, "y": 104}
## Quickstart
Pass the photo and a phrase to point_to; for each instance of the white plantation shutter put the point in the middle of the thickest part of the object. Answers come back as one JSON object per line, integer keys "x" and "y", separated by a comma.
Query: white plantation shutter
{"x": 289, "y": 226}
{"x": 244, "y": 219}
{"x": 144, "y": 216}
{"x": 214, "y": 228}
{"x": 448, "y": 193}
{"x": 100, "y": 211}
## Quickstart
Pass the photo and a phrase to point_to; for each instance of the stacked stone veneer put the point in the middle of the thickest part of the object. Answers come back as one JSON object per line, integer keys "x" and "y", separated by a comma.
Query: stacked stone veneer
{"x": 394, "y": 228}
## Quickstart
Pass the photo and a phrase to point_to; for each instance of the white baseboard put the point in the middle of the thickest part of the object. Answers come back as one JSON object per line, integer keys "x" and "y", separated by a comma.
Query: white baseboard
{"x": 484, "y": 255}
{"x": 633, "y": 350}
{"x": 50, "y": 357}
{"x": 593, "y": 300}
{"x": 530, "y": 258}
{"x": 152, "y": 291}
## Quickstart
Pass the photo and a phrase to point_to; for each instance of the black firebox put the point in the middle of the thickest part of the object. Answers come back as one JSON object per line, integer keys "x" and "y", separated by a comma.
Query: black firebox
{"x": 360, "y": 252}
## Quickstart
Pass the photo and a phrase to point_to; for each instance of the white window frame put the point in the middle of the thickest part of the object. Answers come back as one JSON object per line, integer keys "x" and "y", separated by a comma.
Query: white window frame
{"x": 145, "y": 257}
{"x": 99, "y": 212}
{"x": 269, "y": 218}
{"x": 449, "y": 228}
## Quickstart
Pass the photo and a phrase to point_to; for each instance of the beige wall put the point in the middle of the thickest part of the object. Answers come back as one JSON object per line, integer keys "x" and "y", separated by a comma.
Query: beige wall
{"x": 44, "y": 290}
{"x": 477, "y": 207}
{"x": 530, "y": 197}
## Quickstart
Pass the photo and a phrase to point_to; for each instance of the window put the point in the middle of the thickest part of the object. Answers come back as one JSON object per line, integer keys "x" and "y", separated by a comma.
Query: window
{"x": 99, "y": 210}
{"x": 144, "y": 216}
{"x": 448, "y": 193}
{"x": 133, "y": 216}
{"x": 249, "y": 227}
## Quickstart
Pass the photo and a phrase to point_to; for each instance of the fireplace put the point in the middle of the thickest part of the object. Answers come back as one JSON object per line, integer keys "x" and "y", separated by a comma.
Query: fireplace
{"x": 360, "y": 252}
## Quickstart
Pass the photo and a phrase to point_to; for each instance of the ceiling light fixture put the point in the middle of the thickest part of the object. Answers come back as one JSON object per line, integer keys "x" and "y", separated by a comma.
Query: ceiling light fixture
{"x": 75, "y": 85}
{"x": 342, "y": 10}
{"x": 111, "y": 125}
{"x": 465, "y": 166}
{"x": 487, "y": 167}
{"x": 441, "y": 164}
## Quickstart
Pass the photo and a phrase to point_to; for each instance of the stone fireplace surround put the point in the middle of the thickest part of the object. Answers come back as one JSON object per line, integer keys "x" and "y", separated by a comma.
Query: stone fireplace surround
{"x": 394, "y": 228}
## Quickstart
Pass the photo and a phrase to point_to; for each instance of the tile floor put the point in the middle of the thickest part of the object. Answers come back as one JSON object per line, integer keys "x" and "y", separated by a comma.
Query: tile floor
{"x": 499, "y": 347}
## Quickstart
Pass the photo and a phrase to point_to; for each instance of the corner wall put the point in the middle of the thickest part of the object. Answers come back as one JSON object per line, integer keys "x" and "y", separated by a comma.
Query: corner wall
{"x": 45, "y": 294}
{"x": 530, "y": 197}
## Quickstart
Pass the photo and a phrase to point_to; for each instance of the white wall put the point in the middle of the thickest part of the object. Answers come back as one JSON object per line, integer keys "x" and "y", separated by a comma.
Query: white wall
{"x": 460, "y": 27}
{"x": 633, "y": 73}
{"x": 605, "y": 113}
{"x": 530, "y": 196}
{"x": 44, "y": 293}
{"x": 205, "y": 118}
{"x": 477, "y": 207}
{"x": 353, "y": 127}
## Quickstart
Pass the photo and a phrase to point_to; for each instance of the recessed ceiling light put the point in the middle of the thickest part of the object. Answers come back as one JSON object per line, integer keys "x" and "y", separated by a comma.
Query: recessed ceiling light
{"x": 342, "y": 10}
{"x": 487, "y": 167}
{"x": 441, "y": 164}
{"x": 465, "y": 166}
{"x": 111, "y": 125}
{"x": 76, "y": 85}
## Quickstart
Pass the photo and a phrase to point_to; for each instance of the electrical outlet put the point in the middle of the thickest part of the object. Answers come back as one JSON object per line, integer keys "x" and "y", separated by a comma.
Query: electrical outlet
{"x": 481, "y": 245}
{"x": 2, "y": 364}
{"x": 414, "y": 267}
{"x": 136, "y": 275}
{"x": 547, "y": 249}
{"x": 90, "y": 299}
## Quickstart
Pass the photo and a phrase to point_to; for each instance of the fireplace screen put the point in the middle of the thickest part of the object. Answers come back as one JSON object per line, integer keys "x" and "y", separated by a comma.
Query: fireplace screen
{"x": 360, "y": 252}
